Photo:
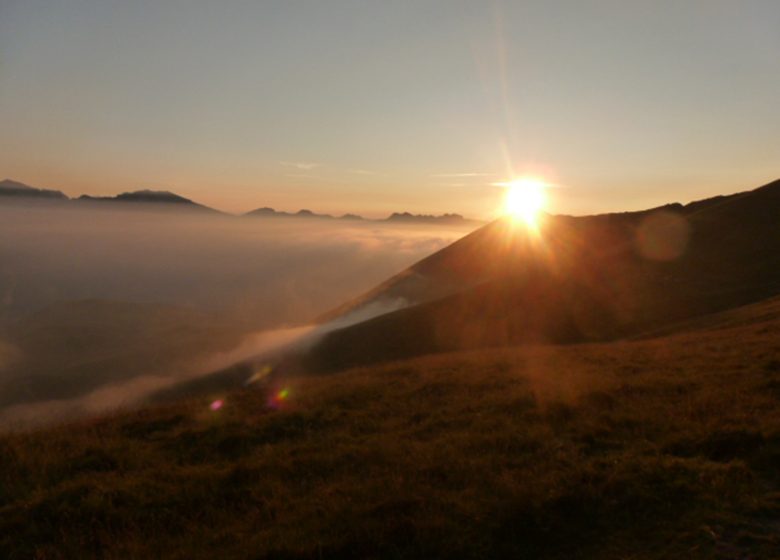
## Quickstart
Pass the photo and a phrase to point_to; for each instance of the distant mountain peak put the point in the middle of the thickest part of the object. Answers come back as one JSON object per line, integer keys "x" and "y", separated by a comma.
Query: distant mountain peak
{"x": 426, "y": 218}
{"x": 452, "y": 219}
{"x": 9, "y": 187}
{"x": 267, "y": 212}
{"x": 148, "y": 196}
{"x": 11, "y": 184}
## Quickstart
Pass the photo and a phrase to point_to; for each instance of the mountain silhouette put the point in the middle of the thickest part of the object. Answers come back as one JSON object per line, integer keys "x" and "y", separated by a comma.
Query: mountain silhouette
{"x": 149, "y": 197}
{"x": 11, "y": 188}
{"x": 395, "y": 217}
{"x": 153, "y": 199}
{"x": 407, "y": 217}
{"x": 580, "y": 279}
{"x": 267, "y": 212}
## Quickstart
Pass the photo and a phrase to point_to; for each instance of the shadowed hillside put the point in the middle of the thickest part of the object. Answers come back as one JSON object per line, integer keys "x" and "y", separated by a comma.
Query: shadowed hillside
{"x": 660, "y": 448}
{"x": 578, "y": 279}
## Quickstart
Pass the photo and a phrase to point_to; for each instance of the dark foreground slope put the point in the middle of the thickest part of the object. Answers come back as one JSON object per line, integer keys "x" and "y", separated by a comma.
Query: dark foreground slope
{"x": 580, "y": 279}
{"x": 659, "y": 448}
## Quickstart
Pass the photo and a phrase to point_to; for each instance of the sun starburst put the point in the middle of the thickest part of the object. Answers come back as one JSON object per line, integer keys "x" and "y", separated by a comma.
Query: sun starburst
{"x": 524, "y": 199}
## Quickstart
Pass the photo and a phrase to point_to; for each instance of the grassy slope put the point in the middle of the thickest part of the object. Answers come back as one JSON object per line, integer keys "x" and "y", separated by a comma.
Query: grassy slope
{"x": 665, "y": 447}
{"x": 584, "y": 279}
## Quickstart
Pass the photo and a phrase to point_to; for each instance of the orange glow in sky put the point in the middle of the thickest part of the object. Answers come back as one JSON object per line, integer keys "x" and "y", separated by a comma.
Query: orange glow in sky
{"x": 418, "y": 120}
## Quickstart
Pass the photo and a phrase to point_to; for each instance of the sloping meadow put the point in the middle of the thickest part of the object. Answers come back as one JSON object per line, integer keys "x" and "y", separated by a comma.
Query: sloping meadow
{"x": 663, "y": 447}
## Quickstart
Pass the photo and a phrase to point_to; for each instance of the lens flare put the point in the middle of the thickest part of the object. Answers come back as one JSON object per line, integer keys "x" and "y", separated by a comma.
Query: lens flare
{"x": 259, "y": 375}
{"x": 663, "y": 236}
{"x": 277, "y": 399}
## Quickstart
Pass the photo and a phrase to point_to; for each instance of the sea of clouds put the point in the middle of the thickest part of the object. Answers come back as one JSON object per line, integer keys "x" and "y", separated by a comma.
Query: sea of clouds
{"x": 269, "y": 276}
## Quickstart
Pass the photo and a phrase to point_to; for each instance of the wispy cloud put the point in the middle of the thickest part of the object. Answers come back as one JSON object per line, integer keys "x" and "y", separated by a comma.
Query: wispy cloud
{"x": 303, "y": 176}
{"x": 304, "y": 165}
{"x": 361, "y": 172}
{"x": 452, "y": 175}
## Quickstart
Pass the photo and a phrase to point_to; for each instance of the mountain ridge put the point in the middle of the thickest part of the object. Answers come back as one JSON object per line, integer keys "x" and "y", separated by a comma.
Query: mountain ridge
{"x": 9, "y": 187}
{"x": 395, "y": 217}
{"x": 585, "y": 278}
{"x": 15, "y": 190}
{"x": 149, "y": 197}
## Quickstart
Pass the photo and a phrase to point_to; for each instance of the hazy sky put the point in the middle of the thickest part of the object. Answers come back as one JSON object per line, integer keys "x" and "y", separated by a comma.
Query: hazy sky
{"x": 372, "y": 106}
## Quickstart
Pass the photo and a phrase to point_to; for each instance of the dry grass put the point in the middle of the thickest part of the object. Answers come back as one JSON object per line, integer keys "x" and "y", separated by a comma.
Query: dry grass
{"x": 660, "y": 448}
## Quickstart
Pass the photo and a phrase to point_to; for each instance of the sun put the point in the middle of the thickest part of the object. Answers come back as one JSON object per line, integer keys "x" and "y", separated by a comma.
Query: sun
{"x": 525, "y": 198}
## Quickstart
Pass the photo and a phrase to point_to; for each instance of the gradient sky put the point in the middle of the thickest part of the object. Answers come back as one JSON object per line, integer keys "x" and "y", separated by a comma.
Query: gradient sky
{"x": 374, "y": 106}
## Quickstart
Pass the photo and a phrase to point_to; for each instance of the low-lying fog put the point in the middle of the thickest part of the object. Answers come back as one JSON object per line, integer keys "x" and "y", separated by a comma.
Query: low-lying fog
{"x": 268, "y": 271}
{"x": 169, "y": 292}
